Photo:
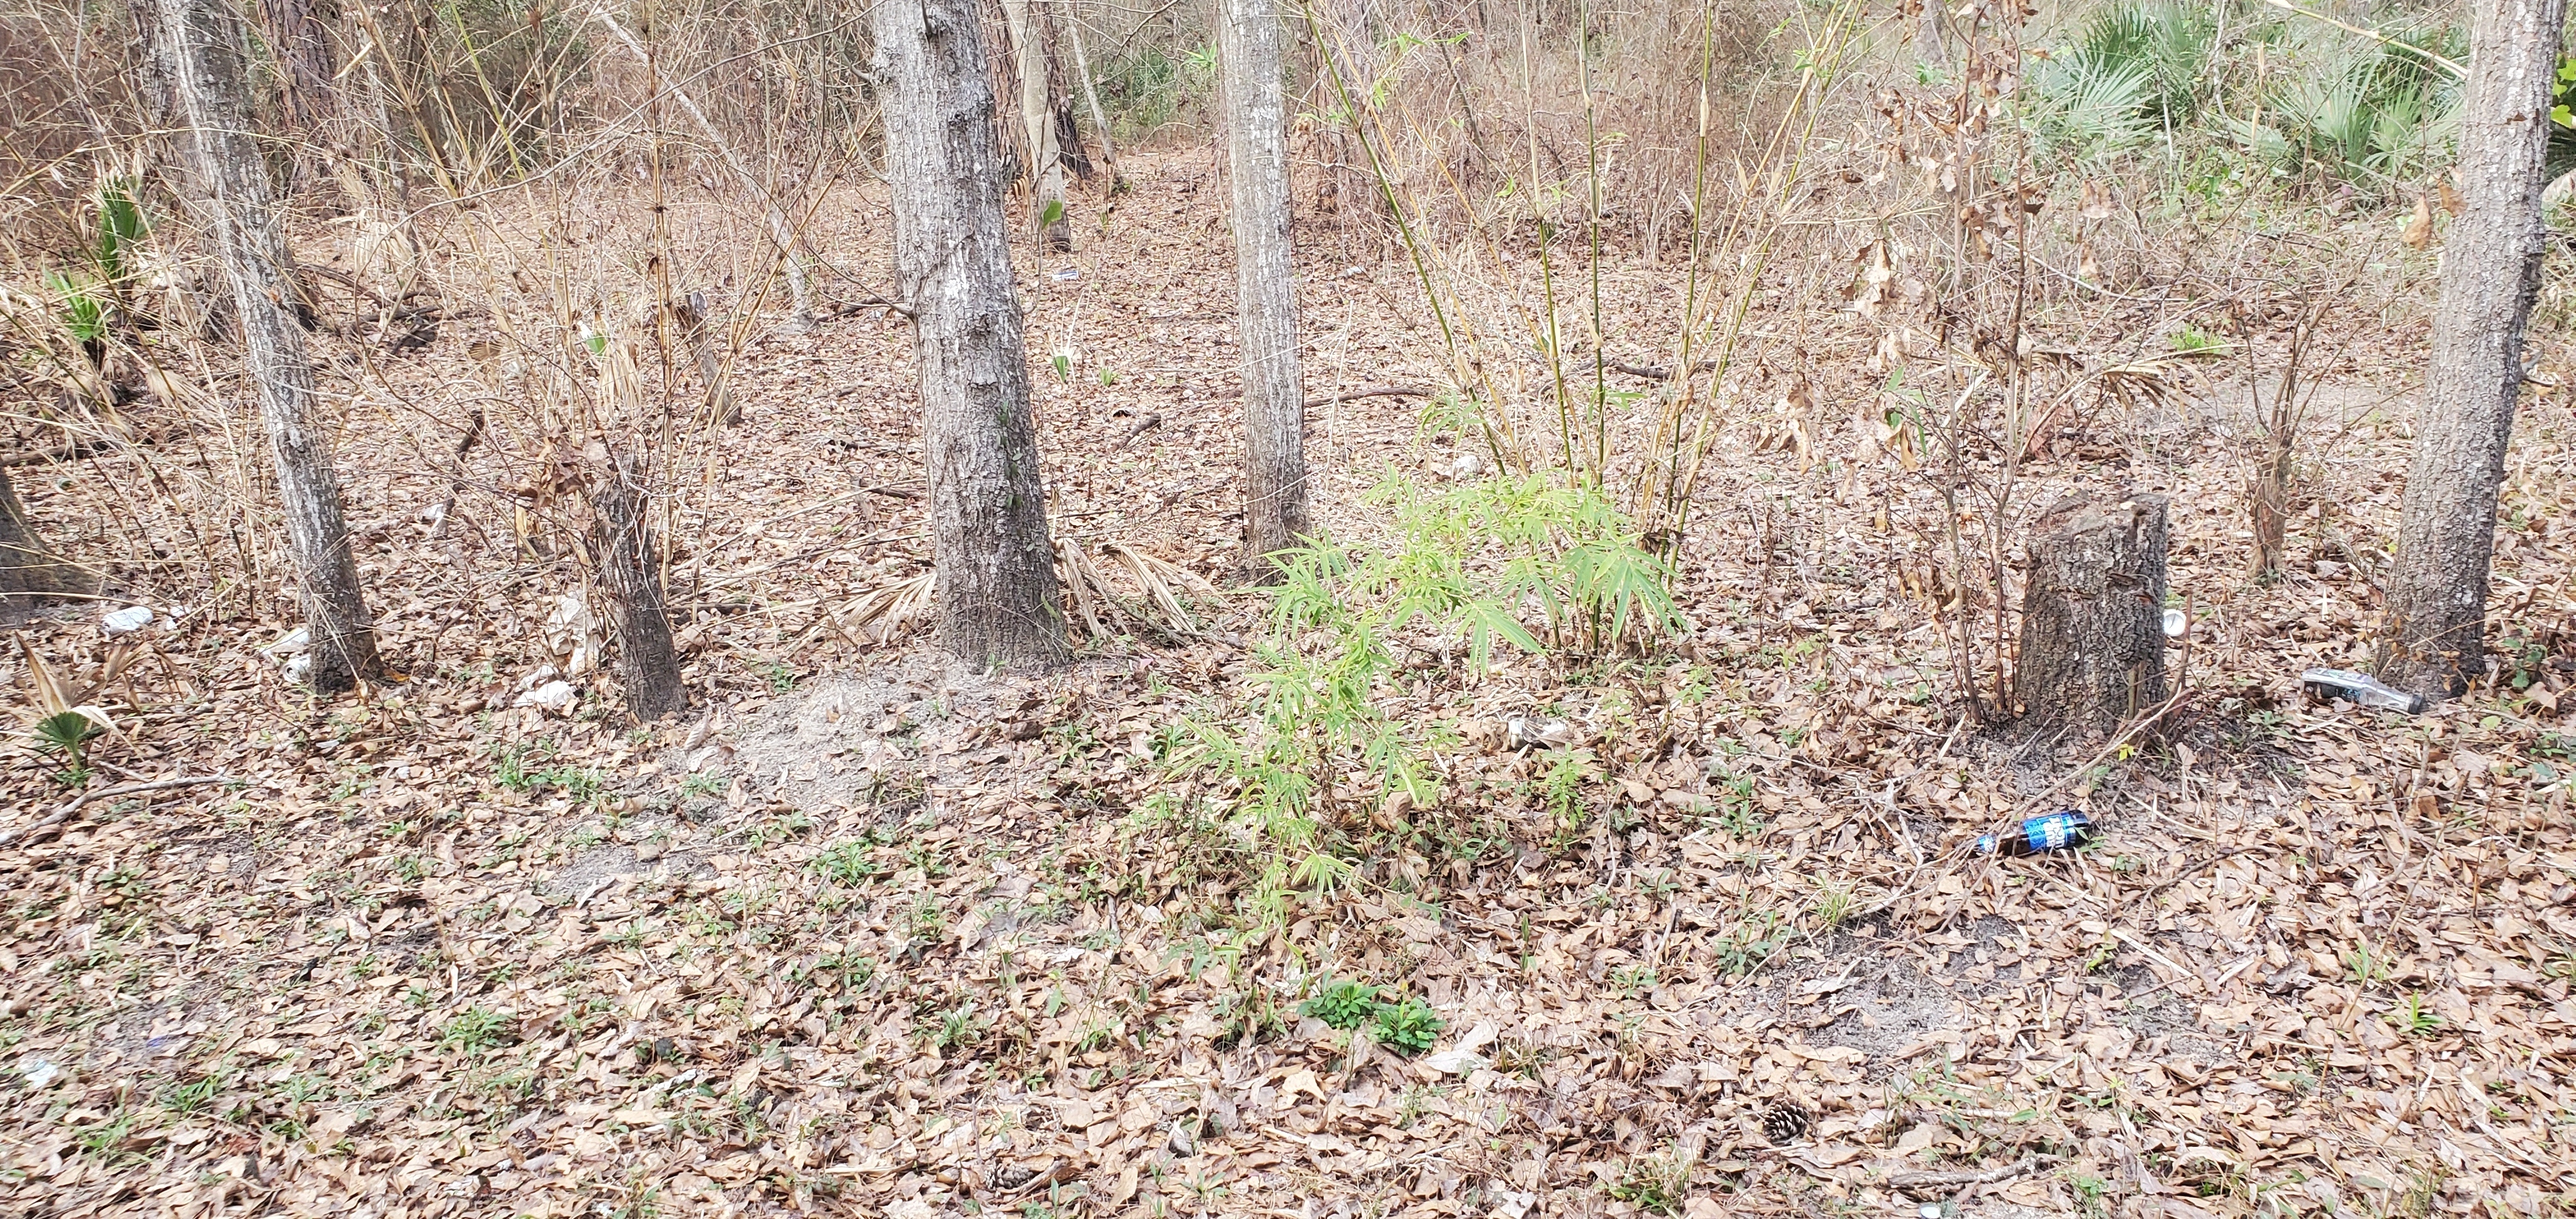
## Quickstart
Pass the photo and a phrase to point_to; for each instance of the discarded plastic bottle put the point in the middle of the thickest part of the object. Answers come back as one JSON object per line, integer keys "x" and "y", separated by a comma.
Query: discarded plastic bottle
{"x": 2057, "y": 831}
{"x": 2359, "y": 689}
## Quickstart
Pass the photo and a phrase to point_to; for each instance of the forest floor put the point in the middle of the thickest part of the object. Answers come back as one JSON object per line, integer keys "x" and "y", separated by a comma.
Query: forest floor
{"x": 866, "y": 934}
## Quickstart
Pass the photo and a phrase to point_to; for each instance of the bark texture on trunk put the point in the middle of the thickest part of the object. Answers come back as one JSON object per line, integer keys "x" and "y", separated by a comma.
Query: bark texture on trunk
{"x": 998, "y": 598}
{"x": 1091, "y": 98}
{"x": 301, "y": 42}
{"x": 1274, "y": 397}
{"x": 2435, "y": 642}
{"x": 203, "y": 40}
{"x": 1037, "y": 121}
{"x": 690, "y": 312}
{"x": 622, "y": 557}
{"x": 2092, "y": 615}
{"x": 28, "y": 573}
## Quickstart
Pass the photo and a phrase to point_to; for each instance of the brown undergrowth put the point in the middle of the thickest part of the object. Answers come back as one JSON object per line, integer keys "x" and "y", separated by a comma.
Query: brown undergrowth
{"x": 868, "y": 935}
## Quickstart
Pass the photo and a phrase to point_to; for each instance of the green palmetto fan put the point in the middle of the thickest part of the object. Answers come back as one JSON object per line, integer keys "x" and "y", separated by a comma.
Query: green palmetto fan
{"x": 121, "y": 228}
{"x": 67, "y": 721}
{"x": 68, "y": 733}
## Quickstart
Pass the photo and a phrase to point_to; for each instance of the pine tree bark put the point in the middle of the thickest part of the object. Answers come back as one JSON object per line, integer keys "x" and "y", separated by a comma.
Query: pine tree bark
{"x": 998, "y": 597}
{"x": 1274, "y": 396}
{"x": 301, "y": 43}
{"x": 205, "y": 49}
{"x": 1037, "y": 119}
{"x": 1091, "y": 99}
{"x": 2435, "y": 641}
{"x": 2092, "y": 616}
{"x": 622, "y": 558}
{"x": 28, "y": 573}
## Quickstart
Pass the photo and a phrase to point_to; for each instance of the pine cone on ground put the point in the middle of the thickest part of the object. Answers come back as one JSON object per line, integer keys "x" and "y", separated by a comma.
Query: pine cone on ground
{"x": 1786, "y": 1121}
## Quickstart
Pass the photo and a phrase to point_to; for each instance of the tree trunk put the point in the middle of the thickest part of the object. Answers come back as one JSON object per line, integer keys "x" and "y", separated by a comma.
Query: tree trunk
{"x": 998, "y": 598}
{"x": 690, "y": 312}
{"x": 2437, "y": 594}
{"x": 1068, "y": 128}
{"x": 2269, "y": 506}
{"x": 203, "y": 40}
{"x": 302, "y": 46}
{"x": 28, "y": 573}
{"x": 1274, "y": 411}
{"x": 1931, "y": 35}
{"x": 621, "y": 555}
{"x": 2092, "y": 615}
{"x": 782, "y": 230}
{"x": 1091, "y": 99}
{"x": 1037, "y": 118}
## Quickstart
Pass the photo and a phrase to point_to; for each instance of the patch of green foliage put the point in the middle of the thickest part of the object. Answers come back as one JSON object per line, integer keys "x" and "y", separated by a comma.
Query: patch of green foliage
{"x": 1406, "y": 1025}
{"x": 1465, "y": 563}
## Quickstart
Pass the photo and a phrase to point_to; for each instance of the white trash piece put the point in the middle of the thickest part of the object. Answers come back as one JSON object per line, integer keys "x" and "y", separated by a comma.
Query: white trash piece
{"x": 556, "y": 696}
{"x": 125, "y": 621}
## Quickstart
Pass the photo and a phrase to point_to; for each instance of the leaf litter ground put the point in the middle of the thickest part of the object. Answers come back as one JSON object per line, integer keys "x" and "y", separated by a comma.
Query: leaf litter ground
{"x": 873, "y": 936}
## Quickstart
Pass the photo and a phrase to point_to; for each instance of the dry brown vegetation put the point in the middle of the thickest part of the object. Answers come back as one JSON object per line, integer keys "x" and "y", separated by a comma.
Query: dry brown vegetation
{"x": 1685, "y": 921}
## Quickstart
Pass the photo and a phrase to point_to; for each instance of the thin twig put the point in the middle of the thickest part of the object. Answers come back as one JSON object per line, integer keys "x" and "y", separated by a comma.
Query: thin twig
{"x": 2453, "y": 66}
{"x": 2125, "y": 736}
{"x": 1959, "y": 1180}
{"x": 64, "y": 813}
{"x": 1369, "y": 391}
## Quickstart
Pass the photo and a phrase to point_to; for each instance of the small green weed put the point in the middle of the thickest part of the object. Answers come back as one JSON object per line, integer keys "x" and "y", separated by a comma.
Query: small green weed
{"x": 1343, "y": 1004}
{"x": 852, "y": 862}
{"x": 1408, "y": 1028}
{"x": 1657, "y": 1185}
{"x": 2413, "y": 1018}
{"x": 476, "y": 1029}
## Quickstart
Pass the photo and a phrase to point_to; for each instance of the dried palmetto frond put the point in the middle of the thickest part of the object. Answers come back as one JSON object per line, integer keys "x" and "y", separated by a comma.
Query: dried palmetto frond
{"x": 1094, "y": 601}
{"x": 1089, "y": 595}
{"x": 2154, "y": 380}
{"x": 1159, "y": 580}
{"x": 888, "y": 610}
{"x": 1084, "y": 591}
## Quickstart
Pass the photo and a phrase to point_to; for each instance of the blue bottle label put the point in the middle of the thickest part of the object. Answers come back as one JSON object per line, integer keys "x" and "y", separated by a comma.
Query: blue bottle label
{"x": 2047, "y": 833}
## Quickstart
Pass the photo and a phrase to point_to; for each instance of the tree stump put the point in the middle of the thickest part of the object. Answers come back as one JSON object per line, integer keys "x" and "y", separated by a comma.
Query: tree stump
{"x": 2092, "y": 615}
{"x": 27, "y": 573}
{"x": 622, "y": 559}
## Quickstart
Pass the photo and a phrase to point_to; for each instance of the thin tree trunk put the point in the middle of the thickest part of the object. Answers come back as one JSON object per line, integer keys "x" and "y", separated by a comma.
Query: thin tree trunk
{"x": 1274, "y": 413}
{"x": 690, "y": 312}
{"x": 28, "y": 573}
{"x": 204, "y": 42}
{"x": 2437, "y": 593}
{"x": 1091, "y": 99}
{"x": 622, "y": 556}
{"x": 2270, "y": 506}
{"x": 2092, "y": 615}
{"x": 1037, "y": 118}
{"x": 781, "y": 230}
{"x": 301, "y": 44}
{"x": 998, "y": 597}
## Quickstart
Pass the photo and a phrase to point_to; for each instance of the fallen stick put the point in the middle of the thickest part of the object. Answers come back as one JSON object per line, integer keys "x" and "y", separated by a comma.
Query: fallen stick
{"x": 1370, "y": 391}
{"x": 1656, "y": 372}
{"x": 1961, "y": 1180}
{"x": 63, "y": 814}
